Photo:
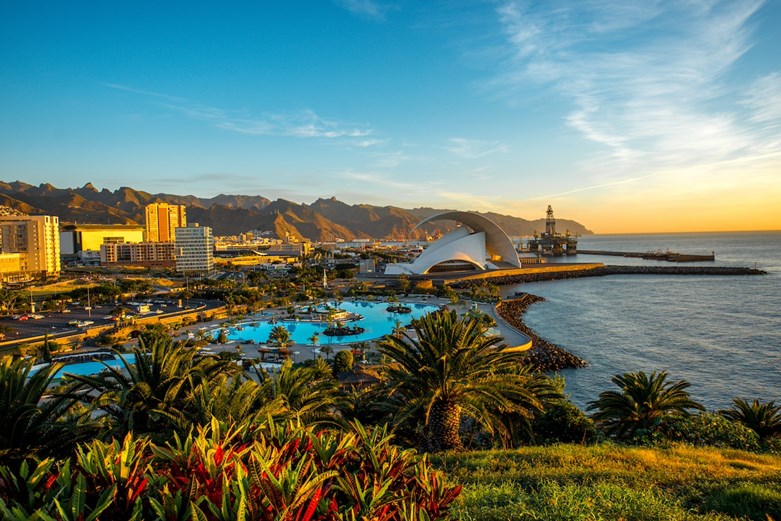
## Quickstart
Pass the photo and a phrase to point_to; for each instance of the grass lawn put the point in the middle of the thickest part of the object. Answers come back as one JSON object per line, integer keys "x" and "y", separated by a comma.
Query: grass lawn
{"x": 572, "y": 482}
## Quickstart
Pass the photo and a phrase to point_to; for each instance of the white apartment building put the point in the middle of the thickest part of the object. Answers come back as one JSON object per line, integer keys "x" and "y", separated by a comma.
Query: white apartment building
{"x": 36, "y": 239}
{"x": 194, "y": 250}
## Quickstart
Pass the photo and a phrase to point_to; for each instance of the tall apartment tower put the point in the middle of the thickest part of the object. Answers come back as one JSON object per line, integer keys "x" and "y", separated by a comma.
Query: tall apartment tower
{"x": 36, "y": 239}
{"x": 194, "y": 250}
{"x": 162, "y": 219}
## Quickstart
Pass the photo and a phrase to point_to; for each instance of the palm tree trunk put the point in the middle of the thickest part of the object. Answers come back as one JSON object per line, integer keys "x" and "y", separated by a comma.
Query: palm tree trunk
{"x": 443, "y": 424}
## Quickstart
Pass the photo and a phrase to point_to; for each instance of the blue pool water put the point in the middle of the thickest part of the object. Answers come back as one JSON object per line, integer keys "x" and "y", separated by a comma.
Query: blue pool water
{"x": 88, "y": 368}
{"x": 377, "y": 322}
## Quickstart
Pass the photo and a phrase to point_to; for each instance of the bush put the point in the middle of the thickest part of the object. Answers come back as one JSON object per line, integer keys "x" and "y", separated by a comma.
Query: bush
{"x": 563, "y": 422}
{"x": 276, "y": 471}
{"x": 343, "y": 362}
{"x": 708, "y": 429}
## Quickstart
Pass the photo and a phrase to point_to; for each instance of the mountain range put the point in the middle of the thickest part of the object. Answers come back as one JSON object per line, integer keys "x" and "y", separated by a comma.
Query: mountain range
{"x": 323, "y": 220}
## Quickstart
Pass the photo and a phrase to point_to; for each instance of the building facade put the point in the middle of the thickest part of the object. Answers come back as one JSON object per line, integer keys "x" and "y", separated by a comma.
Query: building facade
{"x": 89, "y": 237}
{"x": 162, "y": 219}
{"x": 194, "y": 250}
{"x": 147, "y": 254}
{"x": 36, "y": 239}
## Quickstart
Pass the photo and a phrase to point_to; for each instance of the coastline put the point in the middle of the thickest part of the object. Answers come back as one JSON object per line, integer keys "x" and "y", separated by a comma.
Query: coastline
{"x": 543, "y": 355}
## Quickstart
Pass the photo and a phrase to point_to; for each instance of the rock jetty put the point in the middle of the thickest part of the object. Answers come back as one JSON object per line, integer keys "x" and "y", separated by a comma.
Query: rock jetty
{"x": 543, "y": 356}
{"x": 539, "y": 275}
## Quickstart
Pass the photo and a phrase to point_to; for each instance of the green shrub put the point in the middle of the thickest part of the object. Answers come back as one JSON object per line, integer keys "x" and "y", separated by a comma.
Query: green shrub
{"x": 343, "y": 362}
{"x": 563, "y": 422}
{"x": 709, "y": 429}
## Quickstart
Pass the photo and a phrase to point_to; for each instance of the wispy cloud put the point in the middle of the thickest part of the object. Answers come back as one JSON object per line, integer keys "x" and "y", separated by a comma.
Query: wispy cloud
{"x": 647, "y": 80}
{"x": 302, "y": 124}
{"x": 474, "y": 148}
{"x": 370, "y": 9}
{"x": 764, "y": 99}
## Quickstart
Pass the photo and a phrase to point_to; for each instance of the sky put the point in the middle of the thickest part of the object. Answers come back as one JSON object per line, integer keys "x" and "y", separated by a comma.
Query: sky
{"x": 627, "y": 116}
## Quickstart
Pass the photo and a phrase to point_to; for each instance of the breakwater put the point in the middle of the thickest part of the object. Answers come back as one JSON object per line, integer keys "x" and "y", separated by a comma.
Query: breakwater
{"x": 540, "y": 275}
{"x": 543, "y": 356}
{"x": 669, "y": 256}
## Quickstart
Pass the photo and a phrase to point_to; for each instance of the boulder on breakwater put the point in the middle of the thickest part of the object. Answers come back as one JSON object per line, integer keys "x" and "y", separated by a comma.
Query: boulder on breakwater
{"x": 543, "y": 356}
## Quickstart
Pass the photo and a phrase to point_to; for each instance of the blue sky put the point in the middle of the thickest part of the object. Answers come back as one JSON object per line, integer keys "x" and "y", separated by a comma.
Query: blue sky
{"x": 627, "y": 116}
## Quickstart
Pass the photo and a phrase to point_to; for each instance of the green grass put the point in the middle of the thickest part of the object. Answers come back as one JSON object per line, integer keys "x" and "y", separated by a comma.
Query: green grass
{"x": 572, "y": 482}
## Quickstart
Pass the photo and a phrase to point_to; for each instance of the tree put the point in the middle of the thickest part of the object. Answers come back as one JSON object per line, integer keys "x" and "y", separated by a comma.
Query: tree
{"x": 315, "y": 339}
{"x": 279, "y": 335}
{"x": 404, "y": 284}
{"x": 8, "y": 298}
{"x": 343, "y": 362}
{"x": 641, "y": 404}
{"x": 155, "y": 393}
{"x": 30, "y": 424}
{"x": 451, "y": 368}
{"x": 327, "y": 350}
{"x": 308, "y": 394}
{"x": 762, "y": 418}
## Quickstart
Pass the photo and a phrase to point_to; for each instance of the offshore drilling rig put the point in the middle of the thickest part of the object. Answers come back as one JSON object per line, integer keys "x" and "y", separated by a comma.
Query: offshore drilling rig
{"x": 550, "y": 243}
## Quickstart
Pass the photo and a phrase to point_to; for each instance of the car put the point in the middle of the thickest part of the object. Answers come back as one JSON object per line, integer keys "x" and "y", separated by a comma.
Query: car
{"x": 66, "y": 310}
{"x": 23, "y": 317}
{"x": 159, "y": 311}
{"x": 73, "y": 323}
{"x": 36, "y": 316}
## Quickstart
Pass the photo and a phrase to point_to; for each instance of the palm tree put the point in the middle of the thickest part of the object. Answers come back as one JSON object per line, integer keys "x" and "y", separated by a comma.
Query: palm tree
{"x": 315, "y": 339}
{"x": 643, "y": 402}
{"x": 762, "y": 418}
{"x": 279, "y": 335}
{"x": 155, "y": 393}
{"x": 30, "y": 421}
{"x": 449, "y": 369}
{"x": 308, "y": 394}
{"x": 327, "y": 350}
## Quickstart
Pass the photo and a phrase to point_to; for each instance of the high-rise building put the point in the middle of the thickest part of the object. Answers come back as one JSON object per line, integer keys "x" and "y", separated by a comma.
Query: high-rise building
{"x": 194, "y": 250}
{"x": 36, "y": 238}
{"x": 162, "y": 219}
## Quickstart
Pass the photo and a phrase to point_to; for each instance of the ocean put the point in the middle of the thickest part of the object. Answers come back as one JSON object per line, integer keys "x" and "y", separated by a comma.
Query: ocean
{"x": 722, "y": 334}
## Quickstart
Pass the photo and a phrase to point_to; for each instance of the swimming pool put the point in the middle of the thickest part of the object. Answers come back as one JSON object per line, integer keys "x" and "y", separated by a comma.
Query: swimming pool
{"x": 88, "y": 368}
{"x": 376, "y": 322}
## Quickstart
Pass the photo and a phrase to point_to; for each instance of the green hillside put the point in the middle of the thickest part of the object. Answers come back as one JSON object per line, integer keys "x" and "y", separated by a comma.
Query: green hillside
{"x": 611, "y": 482}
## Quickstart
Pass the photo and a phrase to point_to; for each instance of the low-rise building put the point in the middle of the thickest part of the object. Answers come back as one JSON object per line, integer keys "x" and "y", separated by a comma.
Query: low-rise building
{"x": 146, "y": 254}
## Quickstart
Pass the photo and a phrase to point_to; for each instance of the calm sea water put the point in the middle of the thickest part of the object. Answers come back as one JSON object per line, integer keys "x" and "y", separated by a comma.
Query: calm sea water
{"x": 721, "y": 334}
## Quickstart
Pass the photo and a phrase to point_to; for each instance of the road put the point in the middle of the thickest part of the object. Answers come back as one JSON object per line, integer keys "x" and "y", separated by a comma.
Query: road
{"x": 56, "y": 323}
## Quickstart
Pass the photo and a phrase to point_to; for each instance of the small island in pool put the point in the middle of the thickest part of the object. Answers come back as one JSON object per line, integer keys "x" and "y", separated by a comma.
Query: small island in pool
{"x": 398, "y": 309}
{"x": 343, "y": 330}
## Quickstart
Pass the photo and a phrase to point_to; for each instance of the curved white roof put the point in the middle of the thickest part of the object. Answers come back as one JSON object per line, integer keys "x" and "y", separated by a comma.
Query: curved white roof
{"x": 486, "y": 239}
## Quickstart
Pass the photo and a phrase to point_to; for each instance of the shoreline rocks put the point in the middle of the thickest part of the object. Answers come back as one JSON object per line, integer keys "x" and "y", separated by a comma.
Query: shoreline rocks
{"x": 543, "y": 356}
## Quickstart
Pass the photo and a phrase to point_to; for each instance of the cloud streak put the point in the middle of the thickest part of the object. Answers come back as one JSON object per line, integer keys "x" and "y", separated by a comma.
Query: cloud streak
{"x": 370, "y": 9}
{"x": 474, "y": 148}
{"x": 300, "y": 124}
{"x": 646, "y": 80}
